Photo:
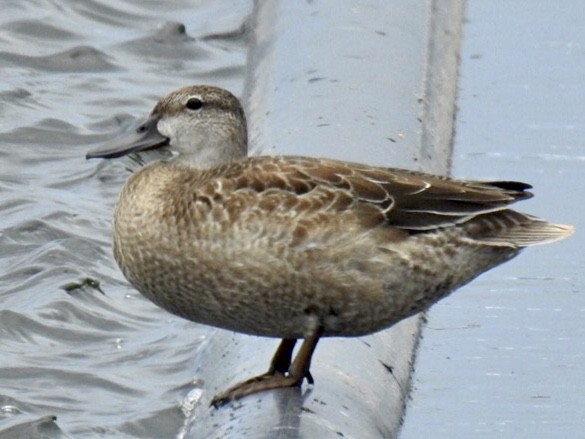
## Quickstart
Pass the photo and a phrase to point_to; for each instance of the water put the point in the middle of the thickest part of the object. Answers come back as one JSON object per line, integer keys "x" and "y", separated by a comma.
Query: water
{"x": 77, "y": 342}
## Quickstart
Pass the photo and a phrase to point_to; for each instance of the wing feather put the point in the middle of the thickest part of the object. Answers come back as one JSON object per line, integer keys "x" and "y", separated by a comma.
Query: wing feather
{"x": 405, "y": 199}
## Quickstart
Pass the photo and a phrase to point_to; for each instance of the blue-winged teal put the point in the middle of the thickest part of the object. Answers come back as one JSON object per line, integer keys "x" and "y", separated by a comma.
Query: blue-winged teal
{"x": 297, "y": 247}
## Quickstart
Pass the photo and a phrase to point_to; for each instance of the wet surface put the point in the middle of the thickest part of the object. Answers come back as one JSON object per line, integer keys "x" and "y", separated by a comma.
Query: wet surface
{"x": 77, "y": 342}
{"x": 503, "y": 357}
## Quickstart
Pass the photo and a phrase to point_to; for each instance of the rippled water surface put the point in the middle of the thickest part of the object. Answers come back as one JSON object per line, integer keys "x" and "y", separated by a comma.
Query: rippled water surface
{"x": 77, "y": 342}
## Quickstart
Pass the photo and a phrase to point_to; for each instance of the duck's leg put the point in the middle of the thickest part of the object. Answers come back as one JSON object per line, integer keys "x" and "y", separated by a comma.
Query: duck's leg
{"x": 278, "y": 367}
{"x": 280, "y": 374}
{"x": 282, "y": 357}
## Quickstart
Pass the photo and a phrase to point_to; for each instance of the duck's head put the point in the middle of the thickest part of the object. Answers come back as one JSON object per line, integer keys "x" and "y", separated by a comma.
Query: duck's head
{"x": 204, "y": 125}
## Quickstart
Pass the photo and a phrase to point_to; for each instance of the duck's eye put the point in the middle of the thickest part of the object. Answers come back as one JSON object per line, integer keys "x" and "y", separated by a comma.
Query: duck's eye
{"x": 194, "y": 104}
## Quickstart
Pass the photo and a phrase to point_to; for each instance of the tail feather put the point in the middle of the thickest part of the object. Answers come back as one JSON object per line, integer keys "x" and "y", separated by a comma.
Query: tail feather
{"x": 511, "y": 228}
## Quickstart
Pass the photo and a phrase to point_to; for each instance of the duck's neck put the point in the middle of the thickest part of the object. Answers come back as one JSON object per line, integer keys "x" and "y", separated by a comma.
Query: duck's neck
{"x": 211, "y": 155}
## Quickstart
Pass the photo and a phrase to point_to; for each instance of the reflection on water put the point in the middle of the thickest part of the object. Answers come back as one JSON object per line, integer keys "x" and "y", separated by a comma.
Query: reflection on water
{"x": 77, "y": 342}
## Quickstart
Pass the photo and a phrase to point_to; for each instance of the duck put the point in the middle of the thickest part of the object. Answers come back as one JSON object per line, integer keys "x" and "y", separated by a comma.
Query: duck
{"x": 297, "y": 247}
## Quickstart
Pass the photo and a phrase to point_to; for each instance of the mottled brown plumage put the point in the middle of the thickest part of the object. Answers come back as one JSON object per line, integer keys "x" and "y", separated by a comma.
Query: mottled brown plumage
{"x": 298, "y": 247}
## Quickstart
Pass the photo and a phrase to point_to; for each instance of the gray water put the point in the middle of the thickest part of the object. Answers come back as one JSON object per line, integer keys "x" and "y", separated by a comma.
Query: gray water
{"x": 76, "y": 342}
